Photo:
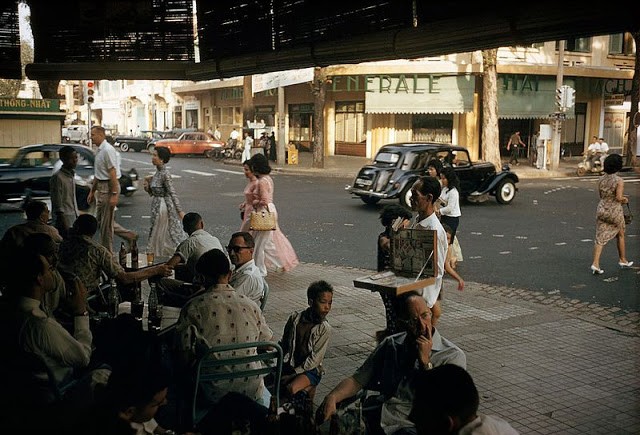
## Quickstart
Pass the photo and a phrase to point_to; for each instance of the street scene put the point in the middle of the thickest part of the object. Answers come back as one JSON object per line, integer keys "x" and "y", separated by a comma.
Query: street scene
{"x": 278, "y": 218}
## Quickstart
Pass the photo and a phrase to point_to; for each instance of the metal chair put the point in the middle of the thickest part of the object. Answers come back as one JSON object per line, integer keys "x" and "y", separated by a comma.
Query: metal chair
{"x": 265, "y": 295}
{"x": 208, "y": 370}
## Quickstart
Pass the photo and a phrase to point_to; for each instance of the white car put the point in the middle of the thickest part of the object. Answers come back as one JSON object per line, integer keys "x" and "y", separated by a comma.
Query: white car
{"x": 76, "y": 134}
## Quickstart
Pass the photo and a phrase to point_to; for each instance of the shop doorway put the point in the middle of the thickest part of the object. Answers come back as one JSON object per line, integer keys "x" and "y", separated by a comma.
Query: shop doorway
{"x": 527, "y": 129}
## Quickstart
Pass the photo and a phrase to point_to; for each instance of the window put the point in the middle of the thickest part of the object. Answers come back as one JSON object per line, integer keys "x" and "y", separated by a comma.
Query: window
{"x": 622, "y": 43}
{"x": 580, "y": 45}
{"x": 266, "y": 114}
{"x": 177, "y": 117}
{"x": 432, "y": 128}
{"x": 350, "y": 122}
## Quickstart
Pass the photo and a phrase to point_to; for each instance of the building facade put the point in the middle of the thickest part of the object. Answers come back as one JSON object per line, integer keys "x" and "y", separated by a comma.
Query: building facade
{"x": 437, "y": 99}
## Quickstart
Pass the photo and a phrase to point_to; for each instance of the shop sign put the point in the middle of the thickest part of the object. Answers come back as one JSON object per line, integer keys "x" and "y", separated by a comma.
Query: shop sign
{"x": 614, "y": 100}
{"x": 29, "y": 105}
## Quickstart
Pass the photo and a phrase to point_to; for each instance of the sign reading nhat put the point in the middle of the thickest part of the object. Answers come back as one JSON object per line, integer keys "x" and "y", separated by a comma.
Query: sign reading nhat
{"x": 29, "y": 105}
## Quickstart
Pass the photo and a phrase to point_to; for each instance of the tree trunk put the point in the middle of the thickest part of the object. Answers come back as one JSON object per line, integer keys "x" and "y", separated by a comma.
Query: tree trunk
{"x": 49, "y": 89}
{"x": 248, "y": 109}
{"x": 634, "y": 115}
{"x": 490, "y": 143}
{"x": 319, "y": 89}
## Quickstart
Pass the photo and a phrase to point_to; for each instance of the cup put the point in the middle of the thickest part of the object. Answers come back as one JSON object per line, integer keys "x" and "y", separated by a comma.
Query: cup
{"x": 137, "y": 308}
{"x": 155, "y": 319}
{"x": 150, "y": 258}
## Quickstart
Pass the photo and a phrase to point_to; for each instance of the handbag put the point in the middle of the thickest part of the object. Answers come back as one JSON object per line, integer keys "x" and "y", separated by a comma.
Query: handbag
{"x": 628, "y": 216}
{"x": 262, "y": 220}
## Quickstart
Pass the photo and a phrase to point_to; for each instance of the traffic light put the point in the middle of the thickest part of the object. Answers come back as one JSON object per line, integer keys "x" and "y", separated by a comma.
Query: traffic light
{"x": 570, "y": 97}
{"x": 90, "y": 91}
{"x": 560, "y": 95}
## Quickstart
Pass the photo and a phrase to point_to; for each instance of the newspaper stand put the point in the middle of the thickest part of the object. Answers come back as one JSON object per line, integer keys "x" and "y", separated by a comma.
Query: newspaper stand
{"x": 413, "y": 260}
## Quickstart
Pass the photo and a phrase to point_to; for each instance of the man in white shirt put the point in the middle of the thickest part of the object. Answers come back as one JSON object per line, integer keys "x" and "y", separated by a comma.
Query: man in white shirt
{"x": 234, "y": 138}
{"x": 604, "y": 150}
{"x": 423, "y": 195}
{"x": 246, "y": 278}
{"x": 593, "y": 151}
{"x": 248, "y": 143}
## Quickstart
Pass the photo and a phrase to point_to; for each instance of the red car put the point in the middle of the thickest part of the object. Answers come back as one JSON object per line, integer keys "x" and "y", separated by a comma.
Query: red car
{"x": 192, "y": 143}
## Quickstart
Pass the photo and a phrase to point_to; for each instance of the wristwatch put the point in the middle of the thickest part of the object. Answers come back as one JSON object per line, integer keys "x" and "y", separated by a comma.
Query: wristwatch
{"x": 427, "y": 366}
{"x": 84, "y": 314}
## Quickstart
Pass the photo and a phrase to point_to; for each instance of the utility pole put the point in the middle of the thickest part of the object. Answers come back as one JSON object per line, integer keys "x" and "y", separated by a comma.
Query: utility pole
{"x": 557, "y": 121}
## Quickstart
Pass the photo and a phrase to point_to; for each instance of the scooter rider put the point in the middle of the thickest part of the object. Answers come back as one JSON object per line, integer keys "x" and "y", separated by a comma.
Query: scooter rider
{"x": 604, "y": 150}
{"x": 594, "y": 152}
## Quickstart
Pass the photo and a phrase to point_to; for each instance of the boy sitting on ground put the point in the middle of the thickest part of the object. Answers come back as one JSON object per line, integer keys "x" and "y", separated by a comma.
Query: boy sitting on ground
{"x": 304, "y": 343}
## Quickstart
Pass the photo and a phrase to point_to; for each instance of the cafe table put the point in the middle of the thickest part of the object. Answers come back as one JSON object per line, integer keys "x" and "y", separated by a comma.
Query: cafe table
{"x": 169, "y": 315}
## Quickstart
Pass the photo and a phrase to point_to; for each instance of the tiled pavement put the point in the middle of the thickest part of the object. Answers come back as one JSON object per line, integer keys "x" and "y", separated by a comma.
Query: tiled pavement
{"x": 544, "y": 363}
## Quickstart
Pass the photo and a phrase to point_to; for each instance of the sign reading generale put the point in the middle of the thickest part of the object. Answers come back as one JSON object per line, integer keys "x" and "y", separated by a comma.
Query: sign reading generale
{"x": 29, "y": 105}
{"x": 389, "y": 84}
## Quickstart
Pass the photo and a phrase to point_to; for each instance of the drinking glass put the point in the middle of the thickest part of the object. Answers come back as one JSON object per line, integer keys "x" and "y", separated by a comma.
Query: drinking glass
{"x": 150, "y": 258}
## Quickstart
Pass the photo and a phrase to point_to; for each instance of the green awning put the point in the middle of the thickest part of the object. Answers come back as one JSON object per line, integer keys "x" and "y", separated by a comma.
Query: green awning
{"x": 520, "y": 98}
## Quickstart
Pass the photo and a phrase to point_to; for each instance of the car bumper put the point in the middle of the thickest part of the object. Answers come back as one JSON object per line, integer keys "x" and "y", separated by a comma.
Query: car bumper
{"x": 371, "y": 193}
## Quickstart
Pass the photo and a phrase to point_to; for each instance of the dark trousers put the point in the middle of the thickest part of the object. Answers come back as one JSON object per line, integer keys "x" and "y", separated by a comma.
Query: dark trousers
{"x": 514, "y": 154}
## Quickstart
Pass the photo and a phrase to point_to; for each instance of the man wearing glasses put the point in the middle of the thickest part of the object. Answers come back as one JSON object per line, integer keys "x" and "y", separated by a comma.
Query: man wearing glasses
{"x": 246, "y": 278}
{"x": 175, "y": 292}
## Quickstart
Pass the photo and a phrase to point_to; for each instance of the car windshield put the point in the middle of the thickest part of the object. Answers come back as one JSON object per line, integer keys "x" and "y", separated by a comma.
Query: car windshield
{"x": 386, "y": 157}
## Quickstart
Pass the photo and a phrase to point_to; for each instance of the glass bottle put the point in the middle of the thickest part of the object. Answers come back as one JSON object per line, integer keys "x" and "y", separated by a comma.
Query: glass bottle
{"x": 273, "y": 420}
{"x": 155, "y": 308}
{"x": 113, "y": 299}
{"x": 137, "y": 304}
{"x": 122, "y": 255}
{"x": 134, "y": 254}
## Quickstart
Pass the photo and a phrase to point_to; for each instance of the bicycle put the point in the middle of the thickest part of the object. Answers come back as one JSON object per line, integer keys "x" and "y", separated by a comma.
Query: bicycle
{"x": 565, "y": 152}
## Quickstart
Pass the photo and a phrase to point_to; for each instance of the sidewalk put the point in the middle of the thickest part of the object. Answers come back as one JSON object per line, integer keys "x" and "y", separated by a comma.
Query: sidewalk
{"x": 545, "y": 364}
{"x": 348, "y": 166}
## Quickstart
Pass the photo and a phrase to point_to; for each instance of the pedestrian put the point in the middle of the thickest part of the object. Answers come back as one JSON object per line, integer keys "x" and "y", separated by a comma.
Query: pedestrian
{"x": 609, "y": 215}
{"x": 272, "y": 249}
{"x": 233, "y": 138}
{"x": 216, "y": 134}
{"x": 248, "y": 143}
{"x": 246, "y": 207}
{"x": 273, "y": 152}
{"x": 166, "y": 231}
{"x": 106, "y": 188}
{"x": 63, "y": 191}
{"x": 514, "y": 142}
{"x": 449, "y": 211}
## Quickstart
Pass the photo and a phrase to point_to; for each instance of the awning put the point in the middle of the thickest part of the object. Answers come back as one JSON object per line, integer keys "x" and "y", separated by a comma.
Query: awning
{"x": 419, "y": 94}
{"x": 519, "y": 99}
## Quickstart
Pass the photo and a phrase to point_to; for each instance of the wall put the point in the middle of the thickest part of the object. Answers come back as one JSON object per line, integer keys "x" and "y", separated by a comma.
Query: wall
{"x": 15, "y": 133}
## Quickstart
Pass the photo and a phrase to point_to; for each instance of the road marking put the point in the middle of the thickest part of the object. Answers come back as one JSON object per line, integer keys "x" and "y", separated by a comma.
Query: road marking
{"x": 522, "y": 237}
{"x": 560, "y": 243}
{"x": 206, "y": 174}
{"x": 475, "y": 233}
{"x": 504, "y": 252}
{"x": 475, "y": 257}
{"x": 533, "y": 248}
{"x": 586, "y": 240}
{"x": 498, "y": 235}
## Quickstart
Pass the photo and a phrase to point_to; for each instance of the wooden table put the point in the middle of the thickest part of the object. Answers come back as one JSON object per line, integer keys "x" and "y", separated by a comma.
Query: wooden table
{"x": 391, "y": 284}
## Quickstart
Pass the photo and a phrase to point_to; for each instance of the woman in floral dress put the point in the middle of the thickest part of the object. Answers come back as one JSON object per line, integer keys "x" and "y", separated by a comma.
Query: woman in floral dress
{"x": 247, "y": 205}
{"x": 609, "y": 214}
{"x": 272, "y": 250}
{"x": 166, "y": 214}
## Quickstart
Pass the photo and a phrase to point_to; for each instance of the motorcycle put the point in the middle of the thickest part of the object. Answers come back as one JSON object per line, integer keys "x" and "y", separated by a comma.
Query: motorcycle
{"x": 589, "y": 165}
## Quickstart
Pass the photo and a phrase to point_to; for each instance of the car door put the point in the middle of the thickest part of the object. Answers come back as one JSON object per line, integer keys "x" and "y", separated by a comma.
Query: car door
{"x": 189, "y": 143}
{"x": 470, "y": 177}
{"x": 36, "y": 168}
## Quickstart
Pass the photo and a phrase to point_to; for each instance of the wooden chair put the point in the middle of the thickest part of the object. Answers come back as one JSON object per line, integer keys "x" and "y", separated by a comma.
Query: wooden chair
{"x": 207, "y": 370}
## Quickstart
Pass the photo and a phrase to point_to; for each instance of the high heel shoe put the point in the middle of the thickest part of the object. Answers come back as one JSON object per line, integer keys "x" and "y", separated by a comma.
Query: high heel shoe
{"x": 596, "y": 271}
{"x": 626, "y": 265}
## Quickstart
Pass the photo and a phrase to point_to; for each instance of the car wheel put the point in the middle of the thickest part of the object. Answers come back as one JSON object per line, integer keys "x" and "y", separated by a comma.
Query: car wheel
{"x": 124, "y": 147}
{"x": 370, "y": 200}
{"x": 581, "y": 172}
{"x": 405, "y": 195}
{"x": 208, "y": 154}
{"x": 237, "y": 155}
{"x": 505, "y": 192}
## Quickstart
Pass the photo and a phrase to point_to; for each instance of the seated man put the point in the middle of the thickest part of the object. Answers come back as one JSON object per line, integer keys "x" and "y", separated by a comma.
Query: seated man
{"x": 604, "y": 150}
{"x": 454, "y": 409}
{"x": 394, "y": 364}
{"x": 173, "y": 291}
{"x": 82, "y": 256}
{"x": 219, "y": 315}
{"x": 37, "y": 222}
{"x": 594, "y": 151}
{"x": 246, "y": 278}
{"x": 38, "y": 333}
{"x": 44, "y": 245}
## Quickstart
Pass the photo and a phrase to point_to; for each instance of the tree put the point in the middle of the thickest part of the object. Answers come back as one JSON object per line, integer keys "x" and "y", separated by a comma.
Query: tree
{"x": 634, "y": 116}
{"x": 490, "y": 139}
{"x": 319, "y": 90}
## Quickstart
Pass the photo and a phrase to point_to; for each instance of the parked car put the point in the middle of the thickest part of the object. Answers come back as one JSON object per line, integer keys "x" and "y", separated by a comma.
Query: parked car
{"x": 397, "y": 166}
{"x": 75, "y": 134}
{"x": 126, "y": 143}
{"x": 192, "y": 143}
{"x": 28, "y": 173}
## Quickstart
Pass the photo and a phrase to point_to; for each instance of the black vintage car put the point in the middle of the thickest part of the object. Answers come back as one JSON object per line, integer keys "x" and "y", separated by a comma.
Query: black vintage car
{"x": 29, "y": 171}
{"x": 397, "y": 166}
{"x": 137, "y": 143}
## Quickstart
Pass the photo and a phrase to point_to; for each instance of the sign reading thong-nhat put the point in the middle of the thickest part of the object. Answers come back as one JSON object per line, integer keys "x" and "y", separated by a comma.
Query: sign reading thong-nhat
{"x": 29, "y": 105}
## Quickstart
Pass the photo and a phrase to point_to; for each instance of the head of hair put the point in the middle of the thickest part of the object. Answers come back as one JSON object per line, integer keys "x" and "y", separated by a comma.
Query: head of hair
{"x": 163, "y": 154}
{"x": 259, "y": 165}
{"x": 190, "y": 222}
{"x": 391, "y": 211}
{"x": 85, "y": 225}
{"x": 429, "y": 186}
{"x": 403, "y": 302}
{"x": 21, "y": 270}
{"x": 247, "y": 237}
{"x": 34, "y": 208}
{"x": 99, "y": 128}
{"x": 318, "y": 287}
{"x": 443, "y": 392}
{"x": 66, "y": 152}
{"x": 212, "y": 265}
{"x": 452, "y": 178}
{"x": 612, "y": 163}
{"x": 435, "y": 164}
